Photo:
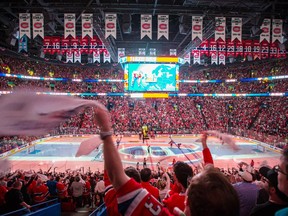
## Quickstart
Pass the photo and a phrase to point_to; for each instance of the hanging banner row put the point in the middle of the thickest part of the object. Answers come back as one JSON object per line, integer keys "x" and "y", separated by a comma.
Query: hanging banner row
{"x": 146, "y": 27}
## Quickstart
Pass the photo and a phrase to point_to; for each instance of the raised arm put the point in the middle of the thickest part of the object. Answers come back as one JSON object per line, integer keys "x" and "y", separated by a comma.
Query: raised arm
{"x": 112, "y": 161}
{"x": 207, "y": 157}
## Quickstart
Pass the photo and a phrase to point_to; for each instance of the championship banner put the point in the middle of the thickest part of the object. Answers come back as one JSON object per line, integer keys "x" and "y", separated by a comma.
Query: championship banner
{"x": 264, "y": 50}
{"x": 236, "y": 29}
{"x": 47, "y": 44}
{"x": 222, "y": 52}
{"x": 24, "y": 25}
{"x": 277, "y": 29}
{"x": 265, "y": 27}
{"x": 197, "y": 27}
{"x": 187, "y": 58}
{"x": 74, "y": 43}
{"x": 248, "y": 48}
{"x": 196, "y": 56}
{"x": 77, "y": 56}
{"x": 121, "y": 53}
{"x": 173, "y": 52}
{"x": 69, "y": 57}
{"x": 38, "y": 23}
{"x": 239, "y": 48}
{"x": 220, "y": 27}
{"x": 110, "y": 25}
{"x": 69, "y": 25}
{"x": 55, "y": 42}
{"x": 65, "y": 45}
{"x": 152, "y": 51}
{"x": 204, "y": 48}
{"x": 230, "y": 48}
{"x": 22, "y": 44}
{"x": 163, "y": 27}
{"x": 106, "y": 55}
{"x": 96, "y": 55}
{"x": 84, "y": 45}
{"x": 146, "y": 26}
{"x": 141, "y": 51}
{"x": 256, "y": 50}
{"x": 273, "y": 50}
{"x": 87, "y": 25}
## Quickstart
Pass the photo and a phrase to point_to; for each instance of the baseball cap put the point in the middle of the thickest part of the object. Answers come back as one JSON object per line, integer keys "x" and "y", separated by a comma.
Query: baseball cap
{"x": 269, "y": 174}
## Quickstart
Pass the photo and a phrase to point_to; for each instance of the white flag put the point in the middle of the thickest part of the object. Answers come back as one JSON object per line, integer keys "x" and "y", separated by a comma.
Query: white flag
{"x": 214, "y": 58}
{"x": 220, "y": 27}
{"x": 222, "y": 59}
{"x": 96, "y": 56}
{"x": 77, "y": 56}
{"x": 236, "y": 29}
{"x": 152, "y": 52}
{"x": 187, "y": 58}
{"x": 163, "y": 26}
{"x": 142, "y": 51}
{"x": 69, "y": 25}
{"x": 87, "y": 25}
{"x": 173, "y": 52}
{"x": 110, "y": 25}
{"x": 121, "y": 53}
{"x": 277, "y": 29}
{"x": 196, "y": 57}
{"x": 146, "y": 25}
{"x": 38, "y": 21}
{"x": 24, "y": 25}
{"x": 265, "y": 27}
{"x": 197, "y": 27}
{"x": 106, "y": 56}
{"x": 69, "y": 57}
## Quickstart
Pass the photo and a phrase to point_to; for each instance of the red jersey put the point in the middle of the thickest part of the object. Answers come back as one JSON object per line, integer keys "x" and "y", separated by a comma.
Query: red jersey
{"x": 152, "y": 190}
{"x": 62, "y": 190}
{"x": 175, "y": 200}
{"x": 40, "y": 193}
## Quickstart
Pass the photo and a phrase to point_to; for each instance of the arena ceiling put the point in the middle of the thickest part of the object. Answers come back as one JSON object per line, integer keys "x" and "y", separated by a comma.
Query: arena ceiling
{"x": 128, "y": 13}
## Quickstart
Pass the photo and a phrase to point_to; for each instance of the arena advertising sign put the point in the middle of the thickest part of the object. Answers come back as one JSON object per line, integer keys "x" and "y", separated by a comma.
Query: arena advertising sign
{"x": 24, "y": 25}
{"x": 265, "y": 27}
{"x": 220, "y": 27}
{"x": 163, "y": 26}
{"x": 146, "y": 26}
{"x": 38, "y": 21}
{"x": 277, "y": 29}
{"x": 69, "y": 25}
{"x": 110, "y": 25}
{"x": 197, "y": 27}
{"x": 236, "y": 28}
{"x": 87, "y": 25}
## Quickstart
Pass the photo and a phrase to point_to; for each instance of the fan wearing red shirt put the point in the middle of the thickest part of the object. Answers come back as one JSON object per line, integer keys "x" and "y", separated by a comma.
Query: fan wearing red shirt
{"x": 145, "y": 182}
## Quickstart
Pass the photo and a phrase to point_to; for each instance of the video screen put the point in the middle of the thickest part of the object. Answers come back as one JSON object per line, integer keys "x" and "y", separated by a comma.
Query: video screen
{"x": 151, "y": 77}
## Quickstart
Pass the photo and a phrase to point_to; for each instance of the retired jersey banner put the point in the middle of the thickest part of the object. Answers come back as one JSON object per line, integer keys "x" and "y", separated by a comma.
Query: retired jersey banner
{"x": 239, "y": 49}
{"x": 222, "y": 52}
{"x": 230, "y": 48}
{"x": 277, "y": 29}
{"x": 96, "y": 55}
{"x": 197, "y": 27}
{"x": 94, "y": 43}
{"x": 77, "y": 56}
{"x": 121, "y": 53}
{"x": 110, "y": 25}
{"x": 264, "y": 50}
{"x": 220, "y": 27}
{"x": 146, "y": 26}
{"x": 281, "y": 51}
{"x": 196, "y": 56}
{"x": 69, "y": 25}
{"x": 65, "y": 45}
{"x": 87, "y": 25}
{"x": 69, "y": 57}
{"x": 248, "y": 47}
{"x": 173, "y": 52}
{"x": 24, "y": 25}
{"x": 141, "y": 51}
{"x": 187, "y": 58}
{"x": 84, "y": 45}
{"x": 47, "y": 44}
{"x": 55, "y": 45}
{"x": 152, "y": 51}
{"x": 163, "y": 26}
{"x": 38, "y": 23}
{"x": 265, "y": 27}
{"x": 273, "y": 50}
{"x": 204, "y": 48}
{"x": 107, "y": 57}
{"x": 256, "y": 50}
{"x": 74, "y": 43}
{"x": 213, "y": 51}
{"x": 236, "y": 29}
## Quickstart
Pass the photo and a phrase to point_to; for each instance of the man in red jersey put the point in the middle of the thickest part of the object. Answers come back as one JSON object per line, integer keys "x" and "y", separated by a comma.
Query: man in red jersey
{"x": 145, "y": 182}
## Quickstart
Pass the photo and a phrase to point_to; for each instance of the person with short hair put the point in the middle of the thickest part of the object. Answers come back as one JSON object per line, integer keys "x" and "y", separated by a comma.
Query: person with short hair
{"x": 146, "y": 175}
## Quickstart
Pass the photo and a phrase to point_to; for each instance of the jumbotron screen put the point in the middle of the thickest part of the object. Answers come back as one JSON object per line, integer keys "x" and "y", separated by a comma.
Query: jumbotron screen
{"x": 151, "y": 77}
